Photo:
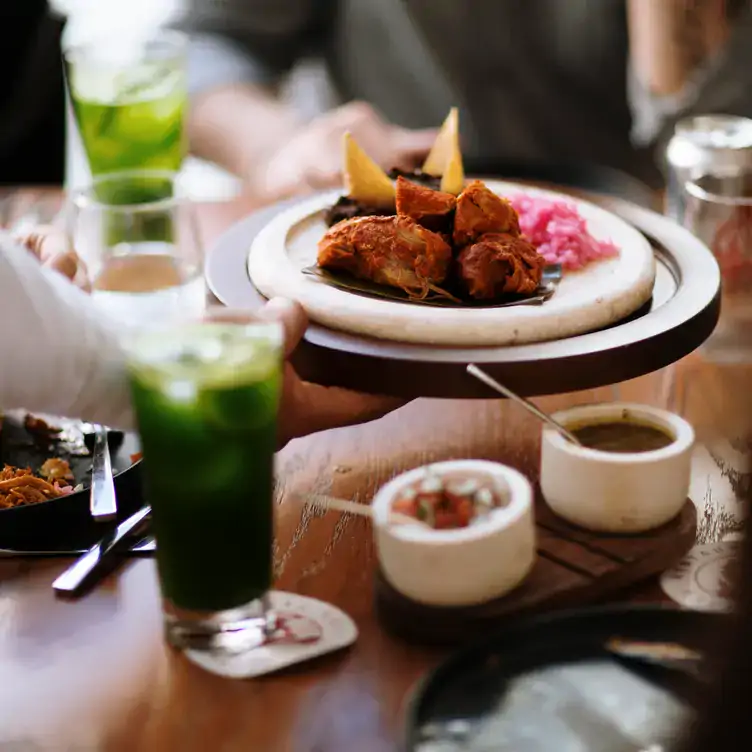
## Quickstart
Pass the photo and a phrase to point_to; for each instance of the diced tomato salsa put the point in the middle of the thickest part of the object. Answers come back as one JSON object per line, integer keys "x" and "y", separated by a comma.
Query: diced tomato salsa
{"x": 446, "y": 505}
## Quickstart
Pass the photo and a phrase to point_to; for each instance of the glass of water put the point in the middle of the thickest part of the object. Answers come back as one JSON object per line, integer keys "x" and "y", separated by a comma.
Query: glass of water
{"x": 718, "y": 210}
{"x": 139, "y": 237}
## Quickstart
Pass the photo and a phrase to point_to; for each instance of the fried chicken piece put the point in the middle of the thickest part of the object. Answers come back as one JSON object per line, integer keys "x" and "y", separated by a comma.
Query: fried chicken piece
{"x": 430, "y": 208}
{"x": 393, "y": 251}
{"x": 480, "y": 210}
{"x": 500, "y": 263}
{"x": 55, "y": 468}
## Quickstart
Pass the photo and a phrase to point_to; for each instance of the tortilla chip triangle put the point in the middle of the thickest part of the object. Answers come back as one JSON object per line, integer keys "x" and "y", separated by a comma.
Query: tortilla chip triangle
{"x": 453, "y": 179}
{"x": 445, "y": 158}
{"x": 365, "y": 181}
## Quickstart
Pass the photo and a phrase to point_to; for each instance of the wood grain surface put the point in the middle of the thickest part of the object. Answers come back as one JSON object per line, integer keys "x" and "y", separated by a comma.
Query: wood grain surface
{"x": 95, "y": 675}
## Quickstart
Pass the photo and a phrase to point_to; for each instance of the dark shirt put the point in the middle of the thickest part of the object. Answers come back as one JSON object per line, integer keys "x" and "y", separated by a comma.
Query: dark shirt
{"x": 32, "y": 99}
{"x": 535, "y": 80}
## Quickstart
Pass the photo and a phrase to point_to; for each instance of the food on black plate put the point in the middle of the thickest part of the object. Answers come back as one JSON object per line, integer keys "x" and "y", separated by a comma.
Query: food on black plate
{"x": 44, "y": 458}
{"x": 20, "y": 486}
{"x": 40, "y": 430}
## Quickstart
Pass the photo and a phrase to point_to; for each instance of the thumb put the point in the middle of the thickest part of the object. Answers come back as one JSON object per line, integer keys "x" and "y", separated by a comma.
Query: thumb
{"x": 291, "y": 315}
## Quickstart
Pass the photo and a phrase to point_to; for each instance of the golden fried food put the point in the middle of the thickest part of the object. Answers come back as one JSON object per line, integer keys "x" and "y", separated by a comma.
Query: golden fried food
{"x": 55, "y": 468}
{"x": 432, "y": 209}
{"x": 393, "y": 251}
{"x": 19, "y": 486}
{"x": 500, "y": 263}
{"x": 479, "y": 211}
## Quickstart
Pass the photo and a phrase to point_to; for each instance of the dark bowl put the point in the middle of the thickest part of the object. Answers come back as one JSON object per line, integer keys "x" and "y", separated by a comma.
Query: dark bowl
{"x": 44, "y": 524}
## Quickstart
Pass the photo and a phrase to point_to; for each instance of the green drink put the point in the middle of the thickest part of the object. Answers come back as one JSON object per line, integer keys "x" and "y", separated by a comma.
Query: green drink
{"x": 130, "y": 101}
{"x": 206, "y": 398}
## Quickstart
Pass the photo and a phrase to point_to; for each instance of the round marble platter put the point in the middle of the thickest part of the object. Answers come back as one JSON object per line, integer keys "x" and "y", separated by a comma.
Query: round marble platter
{"x": 597, "y": 296}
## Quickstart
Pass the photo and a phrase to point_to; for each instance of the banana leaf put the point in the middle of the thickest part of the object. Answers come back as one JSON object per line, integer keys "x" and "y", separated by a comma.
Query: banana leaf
{"x": 437, "y": 297}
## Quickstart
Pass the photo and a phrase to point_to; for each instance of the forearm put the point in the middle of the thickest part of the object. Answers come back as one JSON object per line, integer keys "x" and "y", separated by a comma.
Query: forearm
{"x": 238, "y": 126}
{"x": 58, "y": 356}
{"x": 670, "y": 39}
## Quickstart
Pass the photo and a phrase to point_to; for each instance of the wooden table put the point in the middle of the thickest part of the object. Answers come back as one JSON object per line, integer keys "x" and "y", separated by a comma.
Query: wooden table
{"x": 95, "y": 675}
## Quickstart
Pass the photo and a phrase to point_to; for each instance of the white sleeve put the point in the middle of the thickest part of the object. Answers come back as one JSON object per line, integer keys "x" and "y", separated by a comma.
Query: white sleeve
{"x": 56, "y": 353}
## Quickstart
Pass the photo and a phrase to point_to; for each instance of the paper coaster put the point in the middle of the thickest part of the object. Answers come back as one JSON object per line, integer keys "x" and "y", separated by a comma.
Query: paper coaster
{"x": 307, "y": 629}
{"x": 701, "y": 580}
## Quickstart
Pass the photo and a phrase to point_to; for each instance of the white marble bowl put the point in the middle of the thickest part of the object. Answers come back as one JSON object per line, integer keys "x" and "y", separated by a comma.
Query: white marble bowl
{"x": 463, "y": 566}
{"x": 616, "y": 492}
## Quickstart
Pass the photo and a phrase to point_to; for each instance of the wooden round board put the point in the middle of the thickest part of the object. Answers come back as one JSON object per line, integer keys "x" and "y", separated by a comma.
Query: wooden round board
{"x": 602, "y": 293}
{"x": 677, "y": 319}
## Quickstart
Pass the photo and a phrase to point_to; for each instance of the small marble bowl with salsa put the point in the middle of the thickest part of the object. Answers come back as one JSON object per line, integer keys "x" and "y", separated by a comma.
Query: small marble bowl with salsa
{"x": 473, "y": 539}
{"x": 631, "y": 475}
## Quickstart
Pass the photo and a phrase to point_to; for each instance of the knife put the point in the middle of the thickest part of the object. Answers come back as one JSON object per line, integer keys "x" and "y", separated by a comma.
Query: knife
{"x": 102, "y": 499}
{"x": 82, "y": 572}
{"x": 140, "y": 545}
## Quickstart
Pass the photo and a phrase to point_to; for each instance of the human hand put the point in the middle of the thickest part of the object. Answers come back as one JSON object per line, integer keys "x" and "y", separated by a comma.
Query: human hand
{"x": 307, "y": 408}
{"x": 312, "y": 158}
{"x": 52, "y": 247}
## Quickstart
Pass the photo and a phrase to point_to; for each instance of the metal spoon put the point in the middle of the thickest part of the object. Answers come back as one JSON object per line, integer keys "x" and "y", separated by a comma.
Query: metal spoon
{"x": 473, "y": 370}
{"x": 363, "y": 510}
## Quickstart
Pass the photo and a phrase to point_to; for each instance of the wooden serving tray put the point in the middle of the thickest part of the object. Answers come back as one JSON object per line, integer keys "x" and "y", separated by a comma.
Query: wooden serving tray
{"x": 680, "y": 316}
{"x": 574, "y": 567}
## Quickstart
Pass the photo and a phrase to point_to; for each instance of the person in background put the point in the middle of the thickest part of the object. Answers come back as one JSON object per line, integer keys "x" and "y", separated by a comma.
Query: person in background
{"x": 62, "y": 358}
{"x": 32, "y": 98}
{"x": 595, "y": 81}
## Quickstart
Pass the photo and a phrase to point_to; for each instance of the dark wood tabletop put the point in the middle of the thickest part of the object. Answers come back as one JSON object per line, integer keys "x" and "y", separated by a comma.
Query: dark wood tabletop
{"x": 94, "y": 674}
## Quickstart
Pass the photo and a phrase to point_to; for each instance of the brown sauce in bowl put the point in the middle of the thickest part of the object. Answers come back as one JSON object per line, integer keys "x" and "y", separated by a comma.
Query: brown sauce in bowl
{"x": 622, "y": 436}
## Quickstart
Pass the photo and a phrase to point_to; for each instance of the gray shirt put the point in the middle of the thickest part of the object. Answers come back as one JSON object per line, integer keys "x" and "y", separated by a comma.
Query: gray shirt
{"x": 534, "y": 79}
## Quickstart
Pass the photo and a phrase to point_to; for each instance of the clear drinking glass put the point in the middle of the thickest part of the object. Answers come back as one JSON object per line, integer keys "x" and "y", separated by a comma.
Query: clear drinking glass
{"x": 139, "y": 238}
{"x": 129, "y": 96}
{"x": 718, "y": 210}
{"x": 206, "y": 397}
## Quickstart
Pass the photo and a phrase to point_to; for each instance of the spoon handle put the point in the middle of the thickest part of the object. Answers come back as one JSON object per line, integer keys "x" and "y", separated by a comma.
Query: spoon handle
{"x": 473, "y": 370}
{"x": 364, "y": 510}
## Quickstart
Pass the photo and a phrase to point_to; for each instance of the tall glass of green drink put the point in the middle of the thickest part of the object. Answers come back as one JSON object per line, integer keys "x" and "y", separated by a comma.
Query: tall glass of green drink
{"x": 129, "y": 96}
{"x": 206, "y": 396}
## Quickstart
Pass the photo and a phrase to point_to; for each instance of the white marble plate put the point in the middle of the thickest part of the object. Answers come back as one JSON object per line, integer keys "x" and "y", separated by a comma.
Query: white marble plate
{"x": 601, "y": 294}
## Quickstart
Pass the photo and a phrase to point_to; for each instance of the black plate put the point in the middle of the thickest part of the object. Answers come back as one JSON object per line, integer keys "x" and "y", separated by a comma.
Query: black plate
{"x": 64, "y": 522}
{"x": 470, "y": 686}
